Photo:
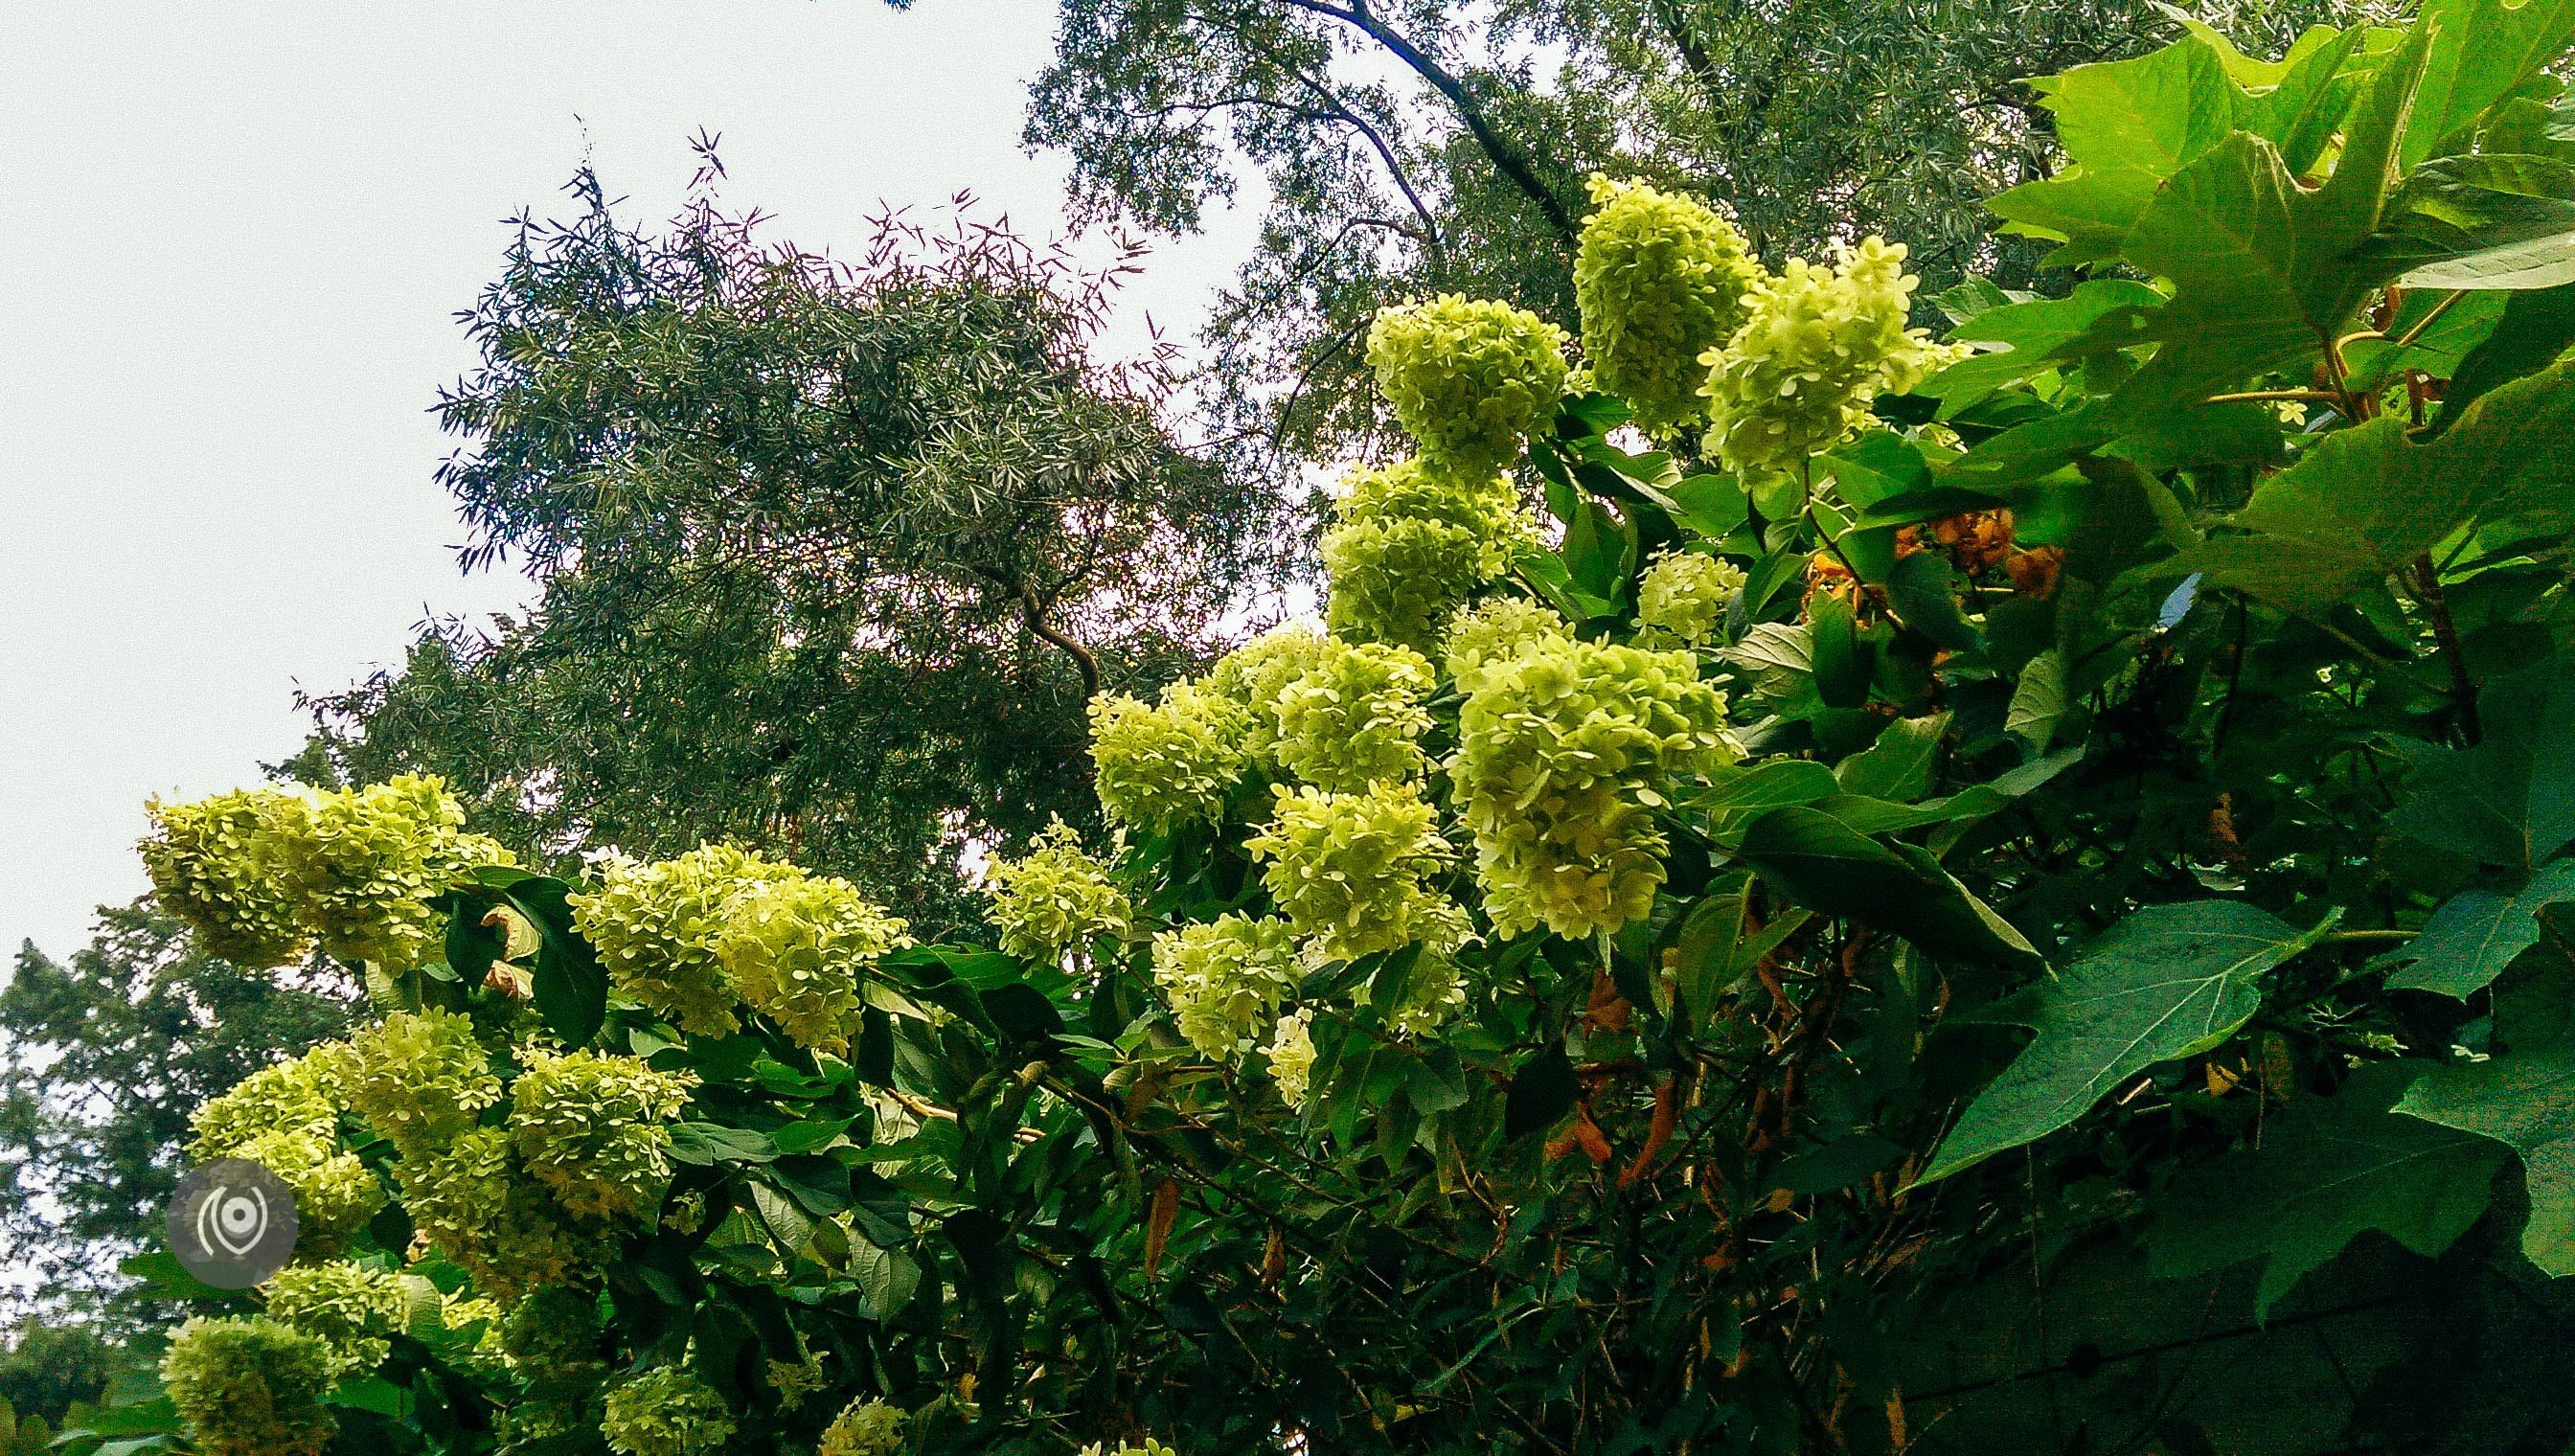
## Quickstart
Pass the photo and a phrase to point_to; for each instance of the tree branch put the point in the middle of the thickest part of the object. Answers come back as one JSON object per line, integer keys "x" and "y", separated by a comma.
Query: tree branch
{"x": 1504, "y": 154}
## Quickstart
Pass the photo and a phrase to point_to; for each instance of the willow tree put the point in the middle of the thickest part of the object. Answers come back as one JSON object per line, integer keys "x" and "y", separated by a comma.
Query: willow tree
{"x": 833, "y": 552}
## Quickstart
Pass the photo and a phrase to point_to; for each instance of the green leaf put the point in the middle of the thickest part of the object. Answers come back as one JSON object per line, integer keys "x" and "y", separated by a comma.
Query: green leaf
{"x": 2482, "y": 51}
{"x": 2536, "y": 328}
{"x": 2126, "y": 127}
{"x": 2167, "y": 981}
{"x": 1719, "y": 943}
{"x": 2483, "y": 222}
{"x": 1899, "y": 765}
{"x": 2511, "y": 799}
{"x": 2324, "y": 1170}
{"x": 2037, "y": 702}
{"x": 1822, "y": 863}
{"x": 2022, "y": 339}
{"x": 570, "y": 987}
{"x": 1843, "y": 659}
{"x": 2471, "y": 938}
{"x": 1542, "y": 1092}
{"x": 2526, "y": 1101}
{"x": 1924, "y": 591}
{"x": 2367, "y": 501}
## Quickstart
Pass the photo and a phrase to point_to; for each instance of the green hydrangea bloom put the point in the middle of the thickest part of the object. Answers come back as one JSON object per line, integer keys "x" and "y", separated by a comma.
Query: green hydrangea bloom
{"x": 595, "y": 1129}
{"x": 1495, "y": 629}
{"x": 1434, "y": 988}
{"x": 1819, "y": 344}
{"x": 360, "y": 862}
{"x": 421, "y": 1079}
{"x": 1055, "y": 901}
{"x": 1251, "y": 675}
{"x": 797, "y": 947}
{"x": 1225, "y": 978}
{"x": 1348, "y": 869}
{"x": 1147, "y": 1447}
{"x": 250, "y": 1387}
{"x": 1356, "y": 716}
{"x": 285, "y": 1119}
{"x": 665, "y": 1412}
{"x": 866, "y": 1428}
{"x": 479, "y": 1207}
{"x": 301, "y": 1096}
{"x": 551, "y": 1340}
{"x": 1414, "y": 543}
{"x": 1659, "y": 280}
{"x": 1291, "y": 1056}
{"x": 1169, "y": 762}
{"x": 656, "y": 928}
{"x": 1468, "y": 378}
{"x": 1683, "y": 596}
{"x": 1561, "y": 749}
{"x": 349, "y": 1307}
{"x": 205, "y": 862}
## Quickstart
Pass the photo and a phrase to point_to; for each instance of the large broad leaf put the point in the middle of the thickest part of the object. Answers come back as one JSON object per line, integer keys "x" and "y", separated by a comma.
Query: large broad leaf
{"x": 2481, "y": 222}
{"x": 2325, "y": 1169}
{"x": 2020, "y": 340}
{"x": 2511, "y": 799}
{"x": 2535, "y": 329}
{"x": 2482, "y": 50}
{"x": 2526, "y": 1101}
{"x": 2261, "y": 267}
{"x": 2126, "y": 126}
{"x": 2470, "y": 939}
{"x": 1825, "y": 864}
{"x": 2367, "y": 501}
{"x": 2167, "y": 981}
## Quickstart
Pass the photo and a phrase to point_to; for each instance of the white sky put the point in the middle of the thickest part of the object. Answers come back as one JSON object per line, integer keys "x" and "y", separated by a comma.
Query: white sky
{"x": 232, "y": 240}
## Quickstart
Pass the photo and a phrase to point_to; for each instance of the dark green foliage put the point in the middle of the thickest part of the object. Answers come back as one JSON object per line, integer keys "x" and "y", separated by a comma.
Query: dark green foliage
{"x": 102, "y": 1059}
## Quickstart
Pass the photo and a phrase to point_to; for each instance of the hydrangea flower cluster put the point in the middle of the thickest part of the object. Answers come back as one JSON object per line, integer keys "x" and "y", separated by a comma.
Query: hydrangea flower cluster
{"x": 203, "y": 857}
{"x": 1495, "y": 629}
{"x": 1292, "y": 1055}
{"x": 1819, "y": 346}
{"x": 1355, "y": 716}
{"x": 1254, "y": 675}
{"x": 1170, "y": 762}
{"x": 1562, "y": 746}
{"x": 1683, "y": 596}
{"x": 1056, "y": 899}
{"x": 1147, "y": 1447}
{"x": 482, "y": 1210}
{"x": 285, "y": 1119}
{"x": 250, "y": 1387}
{"x": 595, "y": 1129}
{"x": 349, "y": 1307}
{"x": 796, "y": 947}
{"x": 1413, "y": 545}
{"x": 1468, "y": 378}
{"x": 421, "y": 1079}
{"x": 865, "y": 1428}
{"x": 1659, "y": 280}
{"x": 1348, "y": 869}
{"x": 665, "y": 1412}
{"x": 264, "y": 873}
{"x": 1224, "y": 980}
{"x": 656, "y": 928}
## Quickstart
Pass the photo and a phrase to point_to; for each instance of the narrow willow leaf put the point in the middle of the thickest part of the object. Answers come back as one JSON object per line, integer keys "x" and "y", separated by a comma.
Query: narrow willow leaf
{"x": 2167, "y": 981}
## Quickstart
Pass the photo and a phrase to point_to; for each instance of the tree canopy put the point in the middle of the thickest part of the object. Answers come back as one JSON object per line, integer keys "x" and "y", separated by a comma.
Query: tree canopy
{"x": 833, "y": 552}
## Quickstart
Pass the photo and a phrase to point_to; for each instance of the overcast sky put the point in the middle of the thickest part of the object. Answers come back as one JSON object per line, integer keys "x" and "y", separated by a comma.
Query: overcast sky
{"x": 233, "y": 236}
